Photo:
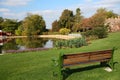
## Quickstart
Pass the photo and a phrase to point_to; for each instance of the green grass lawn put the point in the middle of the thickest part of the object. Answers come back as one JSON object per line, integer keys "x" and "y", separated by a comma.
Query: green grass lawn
{"x": 37, "y": 65}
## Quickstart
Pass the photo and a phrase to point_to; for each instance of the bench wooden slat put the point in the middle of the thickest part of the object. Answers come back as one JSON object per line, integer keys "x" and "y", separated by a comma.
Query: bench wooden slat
{"x": 86, "y": 54}
{"x": 97, "y": 56}
{"x": 72, "y": 59}
{"x": 77, "y": 60}
{"x": 91, "y": 61}
{"x": 100, "y": 55}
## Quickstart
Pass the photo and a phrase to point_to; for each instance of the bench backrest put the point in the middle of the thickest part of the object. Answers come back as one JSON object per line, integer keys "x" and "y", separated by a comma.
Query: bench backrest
{"x": 87, "y": 57}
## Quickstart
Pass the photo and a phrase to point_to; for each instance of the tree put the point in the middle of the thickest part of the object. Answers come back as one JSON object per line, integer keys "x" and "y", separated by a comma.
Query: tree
{"x": 1, "y": 20}
{"x": 55, "y": 26}
{"x": 101, "y": 31}
{"x": 20, "y": 28}
{"x": 97, "y": 20}
{"x": 111, "y": 14}
{"x": 19, "y": 31}
{"x": 33, "y": 25}
{"x": 9, "y": 25}
{"x": 85, "y": 24}
{"x": 66, "y": 19}
{"x": 78, "y": 18}
{"x": 99, "y": 17}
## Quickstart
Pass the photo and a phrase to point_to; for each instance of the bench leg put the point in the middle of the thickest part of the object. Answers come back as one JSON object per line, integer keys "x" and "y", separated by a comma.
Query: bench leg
{"x": 111, "y": 64}
{"x": 103, "y": 63}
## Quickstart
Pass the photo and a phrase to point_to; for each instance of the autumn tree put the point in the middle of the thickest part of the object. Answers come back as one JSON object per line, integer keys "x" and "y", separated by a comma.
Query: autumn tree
{"x": 99, "y": 17}
{"x": 97, "y": 21}
{"x": 55, "y": 26}
{"x": 85, "y": 25}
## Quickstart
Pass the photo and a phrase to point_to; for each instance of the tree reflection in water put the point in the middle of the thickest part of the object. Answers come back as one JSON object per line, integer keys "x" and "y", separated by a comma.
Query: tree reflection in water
{"x": 31, "y": 42}
{"x": 25, "y": 43}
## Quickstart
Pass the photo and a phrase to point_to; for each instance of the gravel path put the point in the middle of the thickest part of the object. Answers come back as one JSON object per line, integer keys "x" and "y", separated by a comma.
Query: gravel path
{"x": 48, "y": 36}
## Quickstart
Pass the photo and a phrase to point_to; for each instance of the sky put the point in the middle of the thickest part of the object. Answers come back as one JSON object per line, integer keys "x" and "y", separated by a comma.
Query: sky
{"x": 51, "y": 10}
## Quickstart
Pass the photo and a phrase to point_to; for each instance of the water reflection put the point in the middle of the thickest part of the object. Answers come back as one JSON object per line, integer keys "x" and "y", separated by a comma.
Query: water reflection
{"x": 31, "y": 42}
{"x": 24, "y": 43}
{"x": 49, "y": 44}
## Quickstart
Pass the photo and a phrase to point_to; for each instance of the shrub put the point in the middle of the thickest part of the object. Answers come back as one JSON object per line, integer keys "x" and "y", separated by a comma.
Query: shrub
{"x": 100, "y": 32}
{"x": 88, "y": 33}
{"x": 77, "y": 42}
{"x": 59, "y": 44}
{"x": 50, "y": 33}
{"x": 64, "y": 31}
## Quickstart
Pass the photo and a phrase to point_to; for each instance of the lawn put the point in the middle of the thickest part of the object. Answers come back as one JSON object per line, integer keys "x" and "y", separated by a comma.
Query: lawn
{"x": 37, "y": 65}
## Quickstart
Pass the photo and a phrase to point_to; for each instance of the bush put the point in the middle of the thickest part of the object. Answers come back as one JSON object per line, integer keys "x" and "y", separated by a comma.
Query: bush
{"x": 64, "y": 31}
{"x": 77, "y": 42}
{"x": 59, "y": 44}
{"x": 100, "y": 32}
{"x": 88, "y": 33}
{"x": 50, "y": 33}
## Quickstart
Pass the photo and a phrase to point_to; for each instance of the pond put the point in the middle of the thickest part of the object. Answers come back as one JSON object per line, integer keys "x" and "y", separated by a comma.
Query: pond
{"x": 25, "y": 44}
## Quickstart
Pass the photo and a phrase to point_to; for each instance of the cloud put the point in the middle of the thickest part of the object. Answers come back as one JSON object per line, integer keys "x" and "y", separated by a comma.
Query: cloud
{"x": 111, "y": 4}
{"x": 48, "y": 15}
{"x": 14, "y": 2}
{"x": 12, "y": 15}
{"x": 88, "y": 0}
{"x": 90, "y": 8}
{"x": 114, "y": 2}
{"x": 3, "y": 10}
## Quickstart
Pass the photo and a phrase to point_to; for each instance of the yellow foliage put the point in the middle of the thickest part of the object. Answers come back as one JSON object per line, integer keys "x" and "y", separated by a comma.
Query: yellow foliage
{"x": 64, "y": 31}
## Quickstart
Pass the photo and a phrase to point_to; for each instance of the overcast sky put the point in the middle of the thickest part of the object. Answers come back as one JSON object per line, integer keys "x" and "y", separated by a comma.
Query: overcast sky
{"x": 52, "y": 9}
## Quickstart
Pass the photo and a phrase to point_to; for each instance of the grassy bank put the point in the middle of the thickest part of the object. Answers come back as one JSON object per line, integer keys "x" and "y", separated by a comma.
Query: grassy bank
{"x": 37, "y": 65}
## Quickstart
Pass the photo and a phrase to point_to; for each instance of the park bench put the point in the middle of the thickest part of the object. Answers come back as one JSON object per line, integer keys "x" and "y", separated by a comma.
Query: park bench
{"x": 67, "y": 60}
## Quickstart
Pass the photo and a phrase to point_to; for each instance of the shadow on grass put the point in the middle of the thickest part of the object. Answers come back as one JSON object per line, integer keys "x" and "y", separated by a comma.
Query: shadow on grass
{"x": 68, "y": 71}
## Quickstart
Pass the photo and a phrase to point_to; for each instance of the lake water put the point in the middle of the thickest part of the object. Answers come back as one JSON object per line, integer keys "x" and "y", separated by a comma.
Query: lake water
{"x": 21, "y": 44}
